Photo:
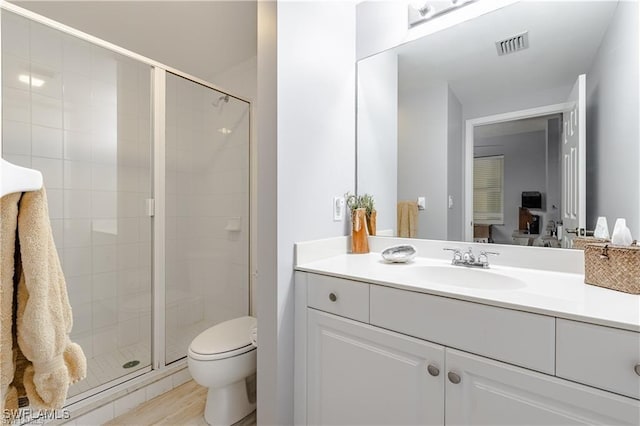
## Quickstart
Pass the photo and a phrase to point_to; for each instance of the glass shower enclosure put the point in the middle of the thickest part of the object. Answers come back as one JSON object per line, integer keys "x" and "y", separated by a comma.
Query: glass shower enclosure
{"x": 147, "y": 176}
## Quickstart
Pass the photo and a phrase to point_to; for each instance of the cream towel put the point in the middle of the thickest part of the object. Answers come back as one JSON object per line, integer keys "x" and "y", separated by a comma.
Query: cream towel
{"x": 407, "y": 219}
{"x": 43, "y": 318}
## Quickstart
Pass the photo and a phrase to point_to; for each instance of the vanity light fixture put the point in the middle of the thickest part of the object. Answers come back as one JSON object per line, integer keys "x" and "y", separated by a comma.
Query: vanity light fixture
{"x": 422, "y": 10}
{"x": 224, "y": 130}
{"x": 33, "y": 81}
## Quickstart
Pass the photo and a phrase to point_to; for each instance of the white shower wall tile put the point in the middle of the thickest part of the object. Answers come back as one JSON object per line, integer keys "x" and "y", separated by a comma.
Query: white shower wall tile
{"x": 128, "y": 230}
{"x": 77, "y": 55}
{"x": 105, "y": 286}
{"x": 104, "y": 177}
{"x": 77, "y": 232}
{"x": 104, "y": 204}
{"x": 77, "y": 88}
{"x": 77, "y": 145}
{"x": 16, "y": 104}
{"x": 46, "y": 46}
{"x": 103, "y": 93}
{"x": 104, "y": 232}
{"x": 79, "y": 289}
{"x": 104, "y": 148}
{"x": 12, "y": 68}
{"x": 52, "y": 171}
{"x": 15, "y": 35}
{"x": 17, "y": 137}
{"x": 128, "y": 332}
{"x": 105, "y": 313}
{"x": 128, "y": 256}
{"x": 77, "y": 175}
{"x": 104, "y": 258}
{"x": 82, "y": 318}
{"x": 77, "y": 204}
{"x": 77, "y": 261}
{"x": 105, "y": 340}
{"x": 77, "y": 117}
{"x": 46, "y": 111}
{"x": 52, "y": 78}
{"x": 46, "y": 142}
{"x": 55, "y": 198}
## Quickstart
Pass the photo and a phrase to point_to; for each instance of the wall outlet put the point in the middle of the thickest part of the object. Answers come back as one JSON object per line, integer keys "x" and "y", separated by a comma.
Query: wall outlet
{"x": 450, "y": 201}
{"x": 338, "y": 208}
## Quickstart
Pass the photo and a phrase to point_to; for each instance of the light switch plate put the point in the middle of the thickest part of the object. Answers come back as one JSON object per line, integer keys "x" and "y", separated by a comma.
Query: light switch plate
{"x": 422, "y": 203}
{"x": 338, "y": 208}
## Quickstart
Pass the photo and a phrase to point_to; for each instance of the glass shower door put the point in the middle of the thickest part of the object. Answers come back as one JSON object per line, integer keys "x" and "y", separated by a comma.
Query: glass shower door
{"x": 81, "y": 115}
{"x": 207, "y": 211}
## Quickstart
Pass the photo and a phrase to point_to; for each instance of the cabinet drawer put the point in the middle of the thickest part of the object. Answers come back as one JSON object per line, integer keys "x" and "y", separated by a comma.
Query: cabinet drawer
{"x": 338, "y": 296}
{"x": 515, "y": 337}
{"x": 599, "y": 356}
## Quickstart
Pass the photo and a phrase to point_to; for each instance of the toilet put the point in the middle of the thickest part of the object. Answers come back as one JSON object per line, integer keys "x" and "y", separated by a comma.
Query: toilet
{"x": 223, "y": 359}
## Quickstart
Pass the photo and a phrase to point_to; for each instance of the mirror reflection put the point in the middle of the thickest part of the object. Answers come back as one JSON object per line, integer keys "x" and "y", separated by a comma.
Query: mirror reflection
{"x": 514, "y": 127}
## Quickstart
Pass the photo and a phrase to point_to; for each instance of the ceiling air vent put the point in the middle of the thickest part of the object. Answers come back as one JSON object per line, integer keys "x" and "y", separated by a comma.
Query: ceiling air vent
{"x": 513, "y": 44}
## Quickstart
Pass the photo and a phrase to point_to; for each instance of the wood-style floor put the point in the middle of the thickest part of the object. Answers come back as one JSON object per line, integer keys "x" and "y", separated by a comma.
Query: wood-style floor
{"x": 182, "y": 406}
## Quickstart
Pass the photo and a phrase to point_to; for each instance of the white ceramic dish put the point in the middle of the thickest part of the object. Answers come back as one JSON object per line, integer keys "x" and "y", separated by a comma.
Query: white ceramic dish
{"x": 399, "y": 254}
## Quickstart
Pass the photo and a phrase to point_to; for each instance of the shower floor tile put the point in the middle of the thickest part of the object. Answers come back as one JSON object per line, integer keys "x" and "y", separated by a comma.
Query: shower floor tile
{"x": 107, "y": 367}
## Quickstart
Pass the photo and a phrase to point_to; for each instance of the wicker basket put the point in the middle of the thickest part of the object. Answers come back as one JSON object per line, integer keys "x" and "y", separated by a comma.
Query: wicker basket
{"x": 581, "y": 242}
{"x": 613, "y": 267}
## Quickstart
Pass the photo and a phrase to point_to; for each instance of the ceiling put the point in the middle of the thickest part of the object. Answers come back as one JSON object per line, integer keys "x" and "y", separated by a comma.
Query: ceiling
{"x": 202, "y": 38}
{"x": 563, "y": 37}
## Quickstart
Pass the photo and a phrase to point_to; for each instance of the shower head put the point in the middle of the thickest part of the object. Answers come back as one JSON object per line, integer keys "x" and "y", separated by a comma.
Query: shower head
{"x": 224, "y": 98}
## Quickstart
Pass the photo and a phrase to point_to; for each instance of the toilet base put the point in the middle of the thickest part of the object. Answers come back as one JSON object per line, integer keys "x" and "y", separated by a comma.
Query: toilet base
{"x": 228, "y": 405}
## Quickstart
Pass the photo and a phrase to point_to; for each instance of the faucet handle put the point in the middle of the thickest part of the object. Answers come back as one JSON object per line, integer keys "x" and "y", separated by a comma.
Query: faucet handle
{"x": 457, "y": 254}
{"x": 485, "y": 254}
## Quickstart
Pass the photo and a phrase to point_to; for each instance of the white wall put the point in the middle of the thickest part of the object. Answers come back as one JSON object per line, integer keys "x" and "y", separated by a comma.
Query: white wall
{"x": 455, "y": 168}
{"x": 313, "y": 103}
{"x": 422, "y": 155}
{"x": 378, "y": 134}
{"x": 382, "y": 24}
{"x": 612, "y": 124}
{"x": 524, "y": 170}
{"x": 524, "y": 99}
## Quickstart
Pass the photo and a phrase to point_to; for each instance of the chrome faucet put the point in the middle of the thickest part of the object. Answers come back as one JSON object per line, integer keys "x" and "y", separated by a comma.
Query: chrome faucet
{"x": 468, "y": 259}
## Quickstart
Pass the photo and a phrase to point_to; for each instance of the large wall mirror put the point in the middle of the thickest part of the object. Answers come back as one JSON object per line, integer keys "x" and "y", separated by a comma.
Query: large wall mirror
{"x": 507, "y": 125}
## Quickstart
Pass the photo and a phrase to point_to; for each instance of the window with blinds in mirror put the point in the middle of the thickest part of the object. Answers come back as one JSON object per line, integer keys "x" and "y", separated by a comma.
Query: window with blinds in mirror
{"x": 488, "y": 190}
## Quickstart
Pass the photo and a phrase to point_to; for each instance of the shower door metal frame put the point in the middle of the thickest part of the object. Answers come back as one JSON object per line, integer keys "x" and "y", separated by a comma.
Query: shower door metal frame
{"x": 156, "y": 205}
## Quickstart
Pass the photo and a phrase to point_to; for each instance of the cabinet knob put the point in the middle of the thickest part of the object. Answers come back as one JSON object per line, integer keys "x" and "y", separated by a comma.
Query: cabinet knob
{"x": 333, "y": 297}
{"x": 433, "y": 370}
{"x": 637, "y": 369}
{"x": 453, "y": 377}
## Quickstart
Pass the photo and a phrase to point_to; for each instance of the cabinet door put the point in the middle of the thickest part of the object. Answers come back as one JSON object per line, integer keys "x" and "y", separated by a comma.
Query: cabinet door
{"x": 363, "y": 375}
{"x": 493, "y": 393}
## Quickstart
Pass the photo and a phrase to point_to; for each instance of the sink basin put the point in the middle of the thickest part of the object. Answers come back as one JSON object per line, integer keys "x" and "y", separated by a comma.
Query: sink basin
{"x": 460, "y": 276}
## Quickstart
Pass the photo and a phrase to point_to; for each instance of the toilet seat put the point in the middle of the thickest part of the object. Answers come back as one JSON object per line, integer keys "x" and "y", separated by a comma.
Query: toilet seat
{"x": 225, "y": 340}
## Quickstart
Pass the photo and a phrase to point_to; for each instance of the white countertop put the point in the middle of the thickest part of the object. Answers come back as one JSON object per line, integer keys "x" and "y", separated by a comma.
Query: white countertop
{"x": 558, "y": 294}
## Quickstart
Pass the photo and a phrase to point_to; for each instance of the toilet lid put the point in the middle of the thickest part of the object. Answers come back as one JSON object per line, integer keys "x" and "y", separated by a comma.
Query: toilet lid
{"x": 224, "y": 337}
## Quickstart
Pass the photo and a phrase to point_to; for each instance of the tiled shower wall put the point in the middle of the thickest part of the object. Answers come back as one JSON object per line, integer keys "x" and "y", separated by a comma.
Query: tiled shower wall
{"x": 207, "y": 189}
{"x": 83, "y": 120}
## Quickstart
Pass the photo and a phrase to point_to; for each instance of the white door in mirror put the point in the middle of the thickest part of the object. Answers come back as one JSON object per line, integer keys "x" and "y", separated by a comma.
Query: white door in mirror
{"x": 574, "y": 163}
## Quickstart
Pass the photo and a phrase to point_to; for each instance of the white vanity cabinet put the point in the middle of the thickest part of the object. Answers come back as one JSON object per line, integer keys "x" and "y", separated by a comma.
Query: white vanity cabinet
{"x": 396, "y": 357}
{"x": 363, "y": 375}
{"x": 488, "y": 392}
